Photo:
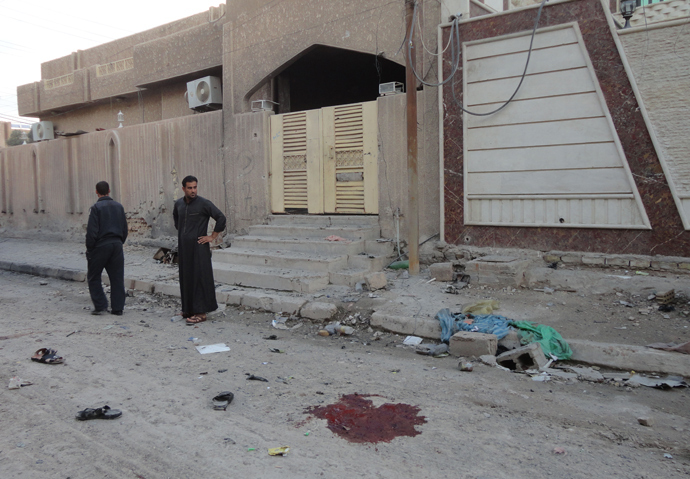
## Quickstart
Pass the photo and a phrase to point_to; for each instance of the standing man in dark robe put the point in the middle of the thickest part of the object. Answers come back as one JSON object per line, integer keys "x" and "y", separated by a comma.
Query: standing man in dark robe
{"x": 191, "y": 214}
{"x": 105, "y": 233}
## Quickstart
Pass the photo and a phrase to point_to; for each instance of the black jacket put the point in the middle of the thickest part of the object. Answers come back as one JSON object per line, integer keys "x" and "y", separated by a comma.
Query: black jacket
{"x": 107, "y": 223}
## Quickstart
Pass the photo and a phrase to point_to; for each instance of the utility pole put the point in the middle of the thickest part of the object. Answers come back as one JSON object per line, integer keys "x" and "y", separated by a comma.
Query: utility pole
{"x": 412, "y": 180}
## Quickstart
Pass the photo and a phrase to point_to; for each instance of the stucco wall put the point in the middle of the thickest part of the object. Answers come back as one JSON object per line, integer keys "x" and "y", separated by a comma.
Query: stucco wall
{"x": 660, "y": 60}
{"x": 49, "y": 186}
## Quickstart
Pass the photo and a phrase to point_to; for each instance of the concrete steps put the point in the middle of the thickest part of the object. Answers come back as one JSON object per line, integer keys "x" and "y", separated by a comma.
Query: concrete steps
{"x": 291, "y": 253}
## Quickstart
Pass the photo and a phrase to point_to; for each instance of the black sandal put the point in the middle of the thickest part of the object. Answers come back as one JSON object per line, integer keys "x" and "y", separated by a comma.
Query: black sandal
{"x": 98, "y": 413}
{"x": 221, "y": 401}
{"x": 47, "y": 356}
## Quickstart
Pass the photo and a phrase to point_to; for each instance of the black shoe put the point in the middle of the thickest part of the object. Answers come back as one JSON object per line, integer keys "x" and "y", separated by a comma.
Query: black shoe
{"x": 116, "y": 313}
{"x": 99, "y": 312}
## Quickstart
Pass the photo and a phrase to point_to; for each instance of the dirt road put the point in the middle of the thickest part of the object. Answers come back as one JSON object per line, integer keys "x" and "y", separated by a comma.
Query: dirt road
{"x": 482, "y": 424}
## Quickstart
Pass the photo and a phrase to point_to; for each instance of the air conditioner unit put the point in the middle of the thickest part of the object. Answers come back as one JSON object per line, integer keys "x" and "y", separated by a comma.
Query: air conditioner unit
{"x": 263, "y": 105}
{"x": 204, "y": 92}
{"x": 43, "y": 130}
{"x": 390, "y": 88}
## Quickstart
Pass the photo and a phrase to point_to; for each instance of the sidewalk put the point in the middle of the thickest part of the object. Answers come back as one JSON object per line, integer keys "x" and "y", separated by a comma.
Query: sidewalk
{"x": 408, "y": 306}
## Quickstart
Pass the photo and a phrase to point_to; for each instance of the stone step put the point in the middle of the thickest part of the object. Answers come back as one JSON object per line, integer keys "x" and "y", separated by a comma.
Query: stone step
{"x": 309, "y": 231}
{"x": 348, "y": 277}
{"x": 366, "y": 263}
{"x": 281, "y": 259}
{"x": 383, "y": 248}
{"x": 265, "y": 277}
{"x": 324, "y": 220}
{"x": 304, "y": 245}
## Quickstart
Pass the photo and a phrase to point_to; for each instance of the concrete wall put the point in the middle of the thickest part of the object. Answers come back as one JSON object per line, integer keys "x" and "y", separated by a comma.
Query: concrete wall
{"x": 49, "y": 186}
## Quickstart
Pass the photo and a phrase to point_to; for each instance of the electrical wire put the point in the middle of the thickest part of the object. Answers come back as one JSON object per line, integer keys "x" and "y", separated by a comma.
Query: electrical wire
{"x": 455, "y": 60}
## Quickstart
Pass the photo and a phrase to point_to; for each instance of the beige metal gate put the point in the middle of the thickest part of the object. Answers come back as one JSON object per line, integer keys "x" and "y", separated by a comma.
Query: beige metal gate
{"x": 325, "y": 161}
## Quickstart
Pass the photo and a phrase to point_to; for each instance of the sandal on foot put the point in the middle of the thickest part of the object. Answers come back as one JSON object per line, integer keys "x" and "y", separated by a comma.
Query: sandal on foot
{"x": 98, "y": 413}
{"x": 185, "y": 315}
{"x": 196, "y": 319}
{"x": 220, "y": 402}
{"x": 47, "y": 356}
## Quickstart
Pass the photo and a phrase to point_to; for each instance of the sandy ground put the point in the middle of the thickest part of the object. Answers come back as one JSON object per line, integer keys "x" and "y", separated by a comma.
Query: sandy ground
{"x": 482, "y": 424}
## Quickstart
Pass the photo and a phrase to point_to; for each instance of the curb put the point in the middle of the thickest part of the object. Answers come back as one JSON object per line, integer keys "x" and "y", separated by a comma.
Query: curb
{"x": 252, "y": 299}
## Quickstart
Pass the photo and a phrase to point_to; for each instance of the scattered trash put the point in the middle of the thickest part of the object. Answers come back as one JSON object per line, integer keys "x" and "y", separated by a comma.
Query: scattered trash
{"x": 222, "y": 370}
{"x": 336, "y": 238}
{"x": 559, "y": 450}
{"x": 486, "y": 306}
{"x": 323, "y": 332}
{"x": 660, "y": 383}
{"x": 666, "y": 308}
{"x": 452, "y": 323}
{"x": 174, "y": 319}
{"x": 98, "y": 413}
{"x": 279, "y": 451}
{"x": 541, "y": 377}
{"x": 16, "y": 382}
{"x": 680, "y": 348}
{"x": 450, "y": 289}
{"x": 272, "y": 337}
{"x": 641, "y": 273}
{"x": 350, "y": 299}
{"x": 213, "y": 348}
{"x": 222, "y": 400}
{"x": 70, "y": 334}
{"x": 307, "y": 433}
{"x": 279, "y": 322}
{"x": 166, "y": 255}
{"x": 47, "y": 356}
{"x": 586, "y": 374}
{"x": 412, "y": 341}
{"x": 43, "y": 283}
{"x": 625, "y": 303}
{"x": 667, "y": 456}
{"x": 276, "y": 350}
{"x": 251, "y": 449}
{"x": 372, "y": 295}
{"x": 399, "y": 265}
{"x": 229, "y": 440}
{"x": 255, "y": 378}
{"x": 435, "y": 350}
{"x": 465, "y": 365}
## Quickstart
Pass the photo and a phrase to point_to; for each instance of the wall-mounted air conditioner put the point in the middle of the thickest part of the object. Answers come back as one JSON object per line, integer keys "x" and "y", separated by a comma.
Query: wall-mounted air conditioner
{"x": 390, "y": 88}
{"x": 43, "y": 130}
{"x": 204, "y": 92}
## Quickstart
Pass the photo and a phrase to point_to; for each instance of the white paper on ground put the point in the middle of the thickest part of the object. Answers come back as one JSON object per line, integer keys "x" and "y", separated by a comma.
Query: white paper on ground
{"x": 213, "y": 348}
{"x": 413, "y": 340}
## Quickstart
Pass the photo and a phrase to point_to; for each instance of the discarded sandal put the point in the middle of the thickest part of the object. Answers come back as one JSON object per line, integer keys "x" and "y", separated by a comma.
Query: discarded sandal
{"x": 47, "y": 356}
{"x": 220, "y": 402}
{"x": 196, "y": 319}
{"x": 98, "y": 413}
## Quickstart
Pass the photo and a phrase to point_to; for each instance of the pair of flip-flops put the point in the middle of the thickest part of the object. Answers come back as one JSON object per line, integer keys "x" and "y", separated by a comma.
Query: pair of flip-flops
{"x": 221, "y": 402}
{"x": 98, "y": 413}
{"x": 47, "y": 356}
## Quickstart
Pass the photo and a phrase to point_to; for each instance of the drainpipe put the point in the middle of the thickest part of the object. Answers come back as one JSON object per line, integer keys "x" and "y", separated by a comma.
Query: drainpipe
{"x": 412, "y": 180}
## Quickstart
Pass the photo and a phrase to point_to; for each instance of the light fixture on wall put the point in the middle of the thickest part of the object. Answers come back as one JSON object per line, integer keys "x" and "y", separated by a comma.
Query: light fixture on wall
{"x": 627, "y": 10}
{"x": 120, "y": 118}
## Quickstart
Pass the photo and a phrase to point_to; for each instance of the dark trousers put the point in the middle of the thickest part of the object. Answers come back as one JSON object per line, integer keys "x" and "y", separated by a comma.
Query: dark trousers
{"x": 112, "y": 258}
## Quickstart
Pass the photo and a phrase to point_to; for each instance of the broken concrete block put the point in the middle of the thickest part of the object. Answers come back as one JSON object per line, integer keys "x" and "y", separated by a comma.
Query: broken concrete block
{"x": 468, "y": 344}
{"x": 524, "y": 358}
{"x": 441, "y": 271}
{"x": 318, "y": 310}
{"x": 511, "y": 340}
{"x": 376, "y": 280}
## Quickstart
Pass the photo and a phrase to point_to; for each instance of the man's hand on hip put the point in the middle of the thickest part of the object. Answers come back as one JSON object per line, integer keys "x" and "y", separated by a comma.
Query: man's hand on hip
{"x": 205, "y": 239}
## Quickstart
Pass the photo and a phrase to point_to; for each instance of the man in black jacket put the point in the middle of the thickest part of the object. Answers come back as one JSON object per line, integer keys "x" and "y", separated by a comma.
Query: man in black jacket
{"x": 191, "y": 214}
{"x": 105, "y": 233}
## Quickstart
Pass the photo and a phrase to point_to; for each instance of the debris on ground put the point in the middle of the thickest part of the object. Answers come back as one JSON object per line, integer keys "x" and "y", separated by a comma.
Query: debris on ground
{"x": 666, "y": 297}
{"x": 337, "y": 238}
{"x": 278, "y": 451}
{"x": 667, "y": 382}
{"x": 465, "y": 365}
{"x": 98, "y": 413}
{"x": 213, "y": 348}
{"x": 16, "y": 382}
{"x": 252, "y": 377}
{"x": 435, "y": 350}
{"x": 645, "y": 421}
{"x": 47, "y": 356}
{"x": 166, "y": 255}
{"x": 412, "y": 341}
{"x": 524, "y": 358}
{"x": 483, "y": 307}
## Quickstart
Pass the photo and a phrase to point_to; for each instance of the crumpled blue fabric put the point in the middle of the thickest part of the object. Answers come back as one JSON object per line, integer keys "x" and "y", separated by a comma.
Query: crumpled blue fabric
{"x": 451, "y": 323}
